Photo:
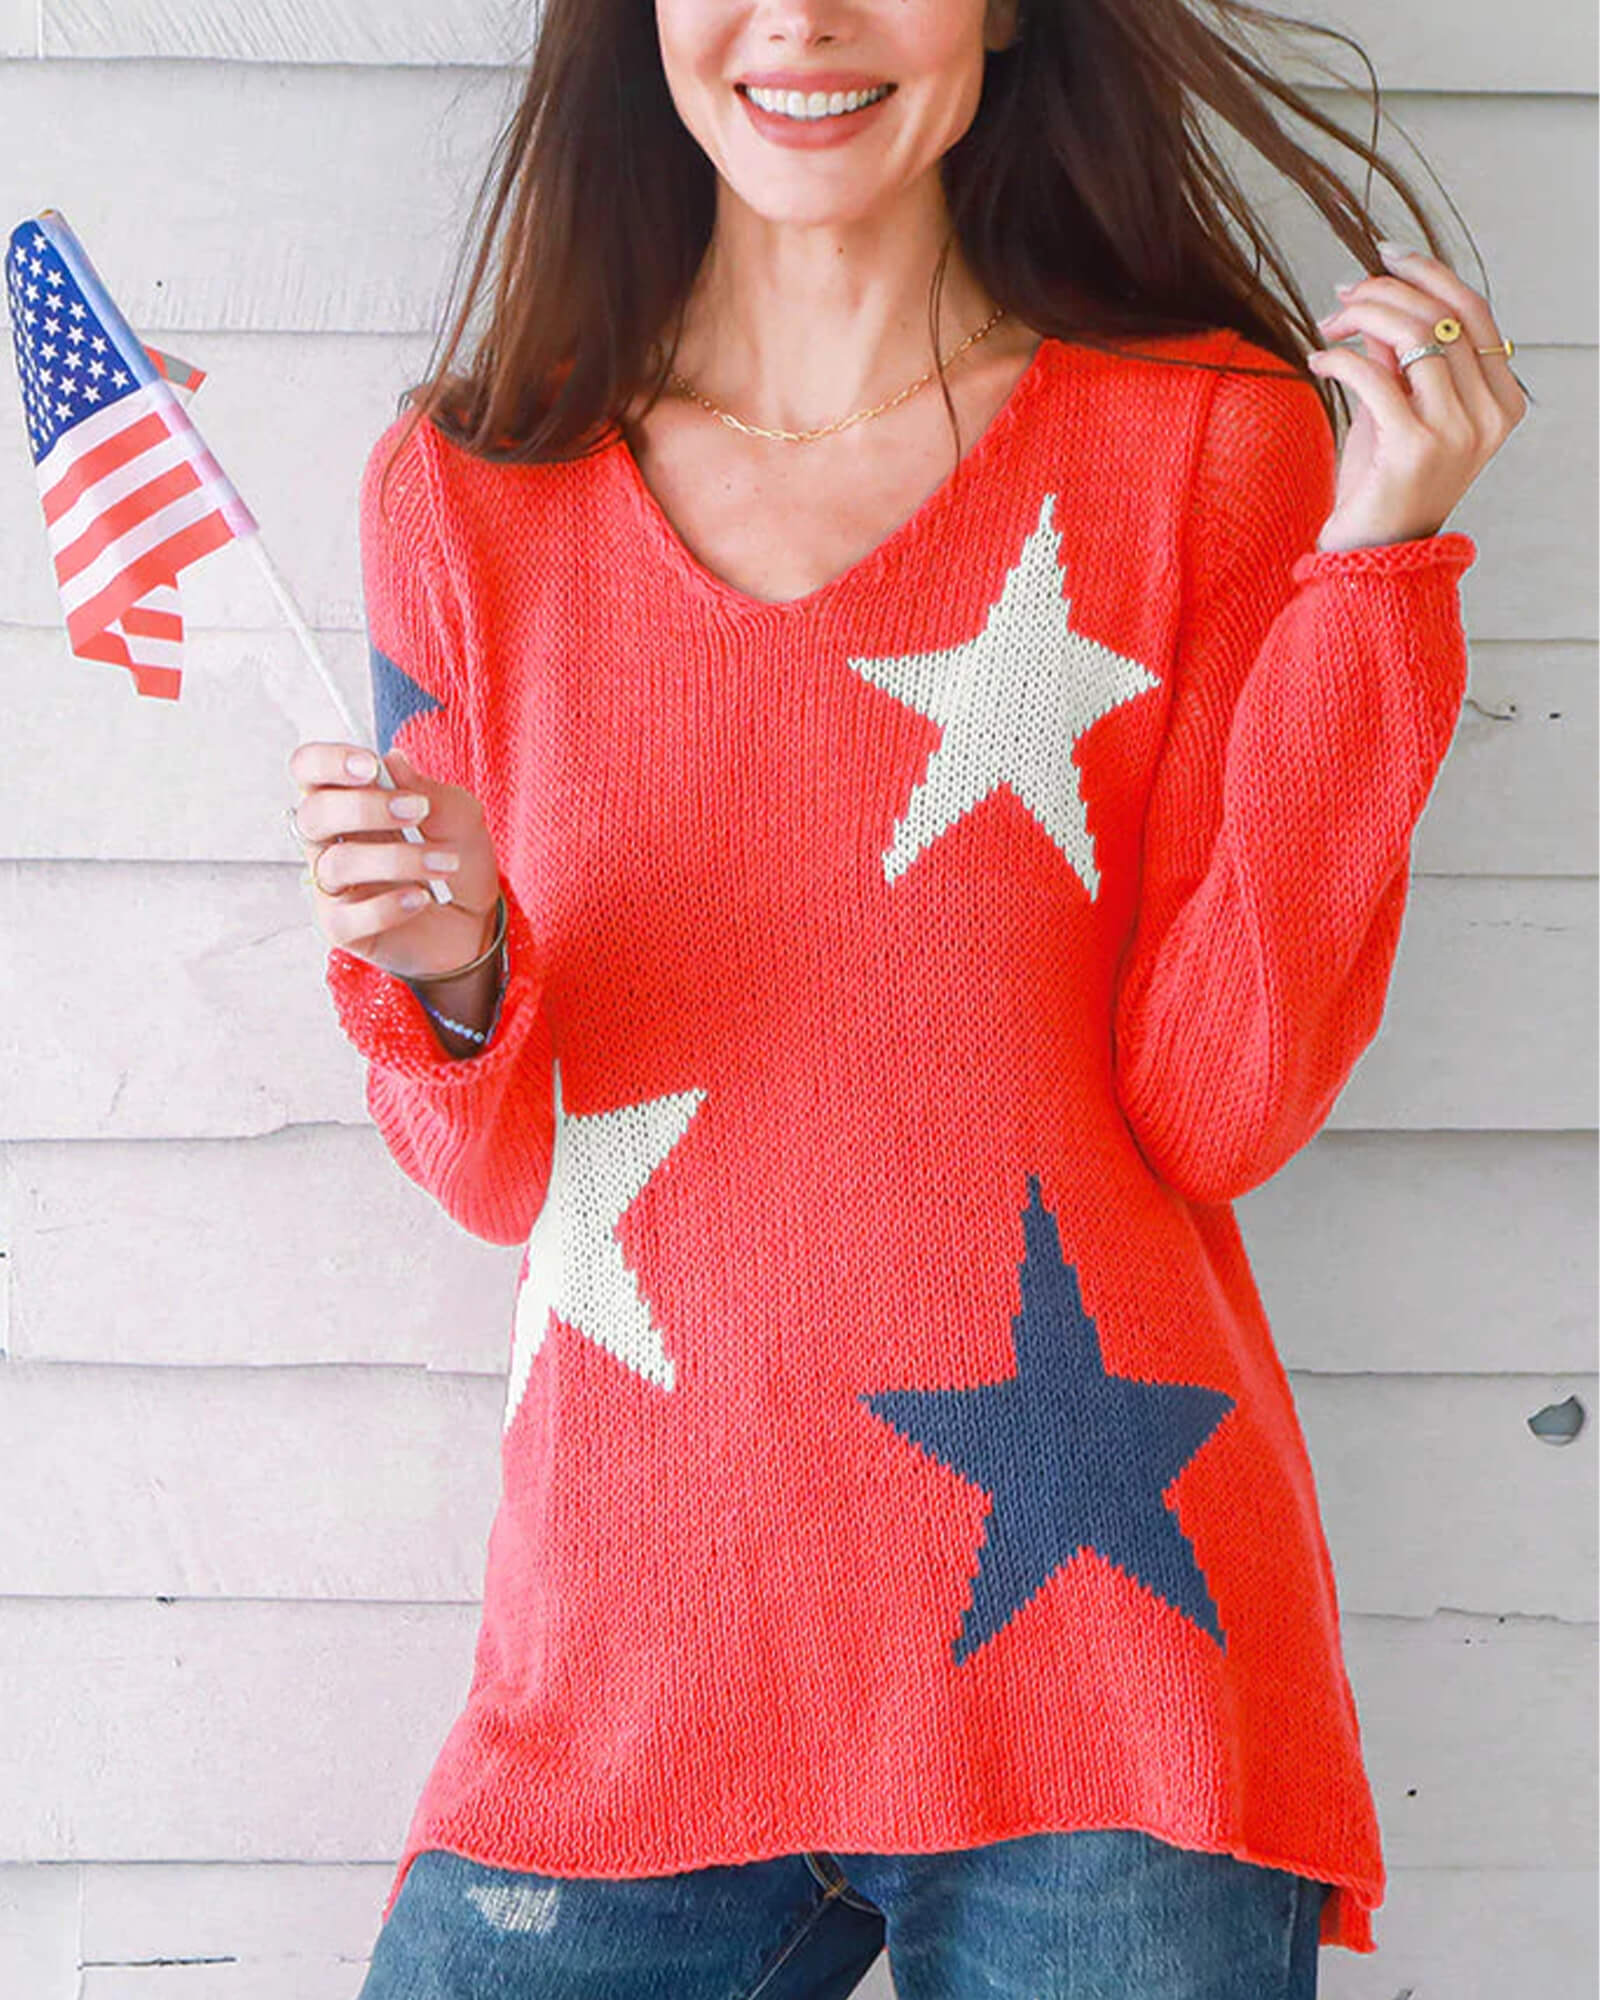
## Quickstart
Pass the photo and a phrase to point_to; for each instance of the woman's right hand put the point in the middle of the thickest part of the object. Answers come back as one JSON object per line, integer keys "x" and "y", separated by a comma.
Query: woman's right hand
{"x": 369, "y": 883}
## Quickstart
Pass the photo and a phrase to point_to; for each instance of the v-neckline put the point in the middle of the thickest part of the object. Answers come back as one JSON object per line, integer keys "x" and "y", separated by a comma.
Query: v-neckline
{"x": 681, "y": 558}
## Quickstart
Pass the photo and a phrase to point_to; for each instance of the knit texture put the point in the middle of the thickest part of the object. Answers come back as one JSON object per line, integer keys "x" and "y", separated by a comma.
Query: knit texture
{"x": 905, "y": 981}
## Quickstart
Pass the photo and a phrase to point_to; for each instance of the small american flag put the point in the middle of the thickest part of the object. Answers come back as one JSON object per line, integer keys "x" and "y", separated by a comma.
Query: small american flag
{"x": 131, "y": 494}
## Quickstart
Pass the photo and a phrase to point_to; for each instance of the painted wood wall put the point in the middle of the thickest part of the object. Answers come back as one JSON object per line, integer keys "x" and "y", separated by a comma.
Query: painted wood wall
{"x": 249, "y": 1393}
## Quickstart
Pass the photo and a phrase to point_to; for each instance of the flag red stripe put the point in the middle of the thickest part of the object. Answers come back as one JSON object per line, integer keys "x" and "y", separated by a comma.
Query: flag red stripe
{"x": 139, "y": 622}
{"x": 105, "y": 457}
{"x": 162, "y": 682}
{"x": 158, "y": 565}
{"x": 123, "y": 514}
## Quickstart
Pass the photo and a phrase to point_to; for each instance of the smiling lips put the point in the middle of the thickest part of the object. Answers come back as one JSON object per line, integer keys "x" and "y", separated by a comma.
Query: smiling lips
{"x": 814, "y": 103}
{"x": 824, "y": 114}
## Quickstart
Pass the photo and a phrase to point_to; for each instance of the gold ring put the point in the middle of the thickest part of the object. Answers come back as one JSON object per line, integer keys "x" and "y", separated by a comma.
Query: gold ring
{"x": 1447, "y": 329}
{"x": 315, "y": 879}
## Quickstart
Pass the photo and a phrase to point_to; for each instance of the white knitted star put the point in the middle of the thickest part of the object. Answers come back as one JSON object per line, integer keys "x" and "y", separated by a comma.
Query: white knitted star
{"x": 599, "y": 1164}
{"x": 1013, "y": 703}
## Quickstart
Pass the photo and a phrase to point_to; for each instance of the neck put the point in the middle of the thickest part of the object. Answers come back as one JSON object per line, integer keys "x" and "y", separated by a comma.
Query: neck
{"x": 795, "y": 324}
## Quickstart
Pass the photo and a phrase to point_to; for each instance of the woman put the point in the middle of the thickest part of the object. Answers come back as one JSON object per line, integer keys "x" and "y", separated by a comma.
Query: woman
{"x": 899, "y": 899}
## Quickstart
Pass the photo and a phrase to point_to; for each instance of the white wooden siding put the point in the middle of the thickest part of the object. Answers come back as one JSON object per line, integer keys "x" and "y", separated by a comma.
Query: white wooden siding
{"x": 250, "y": 1378}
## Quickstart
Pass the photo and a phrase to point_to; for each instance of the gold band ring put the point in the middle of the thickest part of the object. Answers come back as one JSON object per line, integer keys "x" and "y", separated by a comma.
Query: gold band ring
{"x": 309, "y": 875}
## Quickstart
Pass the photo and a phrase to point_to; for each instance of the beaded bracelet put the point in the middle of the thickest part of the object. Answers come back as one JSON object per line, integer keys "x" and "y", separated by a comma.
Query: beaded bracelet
{"x": 482, "y": 1036}
{"x": 479, "y": 1035}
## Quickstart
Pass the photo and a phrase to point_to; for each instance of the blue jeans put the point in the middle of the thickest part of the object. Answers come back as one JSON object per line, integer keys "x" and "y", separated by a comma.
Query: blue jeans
{"x": 1099, "y": 1914}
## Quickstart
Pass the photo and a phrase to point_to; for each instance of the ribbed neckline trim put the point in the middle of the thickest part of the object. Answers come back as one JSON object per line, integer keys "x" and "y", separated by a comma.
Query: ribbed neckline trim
{"x": 677, "y": 556}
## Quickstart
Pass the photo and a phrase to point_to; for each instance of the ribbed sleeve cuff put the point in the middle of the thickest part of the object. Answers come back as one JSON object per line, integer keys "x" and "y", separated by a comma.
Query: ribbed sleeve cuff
{"x": 1450, "y": 550}
{"x": 384, "y": 1019}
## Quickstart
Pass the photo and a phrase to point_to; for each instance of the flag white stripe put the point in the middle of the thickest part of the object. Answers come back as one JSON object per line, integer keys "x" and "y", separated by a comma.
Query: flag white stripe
{"x": 147, "y": 651}
{"x": 128, "y": 477}
{"x": 148, "y": 534}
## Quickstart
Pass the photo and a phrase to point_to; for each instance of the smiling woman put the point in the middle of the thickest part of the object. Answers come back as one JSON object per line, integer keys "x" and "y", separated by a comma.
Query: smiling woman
{"x": 901, "y": 903}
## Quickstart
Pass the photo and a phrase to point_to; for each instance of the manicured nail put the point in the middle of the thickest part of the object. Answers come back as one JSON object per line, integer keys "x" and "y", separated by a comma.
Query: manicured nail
{"x": 361, "y": 764}
{"x": 441, "y": 860}
{"x": 413, "y": 899}
{"x": 406, "y": 805}
{"x": 1396, "y": 253}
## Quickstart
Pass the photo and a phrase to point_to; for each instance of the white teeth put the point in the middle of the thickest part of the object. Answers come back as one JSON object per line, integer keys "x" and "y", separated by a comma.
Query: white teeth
{"x": 818, "y": 104}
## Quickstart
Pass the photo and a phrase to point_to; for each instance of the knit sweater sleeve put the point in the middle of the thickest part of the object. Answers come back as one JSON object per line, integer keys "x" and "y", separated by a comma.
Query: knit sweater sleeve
{"x": 475, "y": 1132}
{"x": 1315, "y": 697}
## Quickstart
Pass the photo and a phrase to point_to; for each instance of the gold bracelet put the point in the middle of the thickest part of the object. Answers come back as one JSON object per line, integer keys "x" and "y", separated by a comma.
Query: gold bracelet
{"x": 483, "y": 957}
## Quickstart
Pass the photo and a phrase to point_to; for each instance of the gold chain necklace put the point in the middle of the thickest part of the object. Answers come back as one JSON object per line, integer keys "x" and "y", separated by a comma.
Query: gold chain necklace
{"x": 860, "y": 417}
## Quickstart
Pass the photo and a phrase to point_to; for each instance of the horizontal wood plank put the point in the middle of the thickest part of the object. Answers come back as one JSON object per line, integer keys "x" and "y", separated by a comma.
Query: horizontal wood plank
{"x": 1490, "y": 1015}
{"x": 90, "y": 772}
{"x": 256, "y": 1979}
{"x": 19, "y": 28}
{"x": 1374, "y": 1251}
{"x": 1476, "y": 1731}
{"x": 332, "y": 199}
{"x": 1528, "y": 738}
{"x": 254, "y": 1911}
{"x": 221, "y": 1021}
{"x": 1428, "y": 1252}
{"x": 1474, "y": 1931}
{"x": 360, "y": 183}
{"x": 1459, "y": 137}
{"x": 308, "y": 1245}
{"x": 39, "y": 1932}
{"x": 331, "y": 31}
{"x": 223, "y": 1027}
{"x": 1554, "y": 52}
{"x": 363, "y": 1483}
{"x": 1495, "y": 1518}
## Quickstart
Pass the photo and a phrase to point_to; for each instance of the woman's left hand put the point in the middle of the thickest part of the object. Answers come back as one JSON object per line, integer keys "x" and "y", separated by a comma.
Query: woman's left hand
{"x": 1419, "y": 436}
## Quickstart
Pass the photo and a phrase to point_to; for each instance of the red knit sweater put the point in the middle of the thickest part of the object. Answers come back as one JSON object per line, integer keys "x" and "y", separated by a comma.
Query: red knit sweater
{"x": 905, "y": 979}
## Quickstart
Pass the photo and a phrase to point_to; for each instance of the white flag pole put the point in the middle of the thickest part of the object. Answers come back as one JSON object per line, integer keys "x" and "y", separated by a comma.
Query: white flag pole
{"x": 313, "y": 652}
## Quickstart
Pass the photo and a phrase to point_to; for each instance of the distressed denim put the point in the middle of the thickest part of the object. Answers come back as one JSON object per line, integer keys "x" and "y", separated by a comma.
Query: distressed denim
{"x": 1091, "y": 1915}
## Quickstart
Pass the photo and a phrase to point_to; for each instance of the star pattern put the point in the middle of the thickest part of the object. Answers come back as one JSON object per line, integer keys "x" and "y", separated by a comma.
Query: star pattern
{"x": 1012, "y": 704}
{"x": 1072, "y": 1457}
{"x": 68, "y": 365}
{"x": 600, "y": 1163}
{"x": 396, "y": 697}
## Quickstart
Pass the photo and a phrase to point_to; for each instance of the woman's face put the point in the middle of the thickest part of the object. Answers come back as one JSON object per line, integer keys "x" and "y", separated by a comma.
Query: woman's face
{"x": 897, "y": 82}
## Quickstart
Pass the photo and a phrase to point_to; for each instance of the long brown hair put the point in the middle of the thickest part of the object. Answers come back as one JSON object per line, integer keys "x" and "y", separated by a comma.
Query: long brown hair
{"x": 1086, "y": 196}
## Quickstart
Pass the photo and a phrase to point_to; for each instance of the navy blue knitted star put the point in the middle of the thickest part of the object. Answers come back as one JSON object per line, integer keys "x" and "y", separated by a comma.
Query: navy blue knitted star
{"x": 1071, "y": 1456}
{"x": 396, "y": 697}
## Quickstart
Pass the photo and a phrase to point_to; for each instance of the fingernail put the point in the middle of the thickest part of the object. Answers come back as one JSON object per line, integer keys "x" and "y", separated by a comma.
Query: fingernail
{"x": 441, "y": 860}
{"x": 413, "y": 899}
{"x": 408, "y": 806}
{"x": 361, "y": 764}
{"x": 1396, "y": 253}
{"x": 1348, "y": 286}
